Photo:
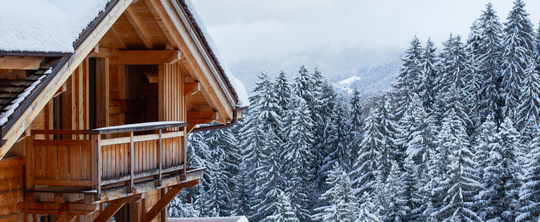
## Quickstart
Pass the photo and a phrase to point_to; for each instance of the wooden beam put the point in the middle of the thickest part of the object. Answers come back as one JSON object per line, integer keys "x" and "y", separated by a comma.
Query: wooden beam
{"x": 66, "y": 218}
{"x": 202, "y": 115}
{"x": 111, "y": 209}
{"x": 62, "y": 89}
{"x": 62, "y": 206}
{"x": 57, "y": 212}
{"x": 190, "y": 88}
{"x": 14, "y": 62}
{"x": 134, "y": 21}
{"x": 162, "y": 22}
{"x": 165, "y": 199}
{"x": 117, "y": 38}
{"x": 148, "y": 57}
{"x": 14, "y": 74}
{"x": 130, "y": 199}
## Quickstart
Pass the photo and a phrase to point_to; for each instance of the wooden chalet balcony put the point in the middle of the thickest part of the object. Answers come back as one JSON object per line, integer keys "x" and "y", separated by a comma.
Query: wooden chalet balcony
{"x": 111, "y": 162}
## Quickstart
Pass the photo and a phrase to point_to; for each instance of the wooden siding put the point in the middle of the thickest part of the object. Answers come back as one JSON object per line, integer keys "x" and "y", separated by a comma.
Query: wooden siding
{"x": 11, "y": 189}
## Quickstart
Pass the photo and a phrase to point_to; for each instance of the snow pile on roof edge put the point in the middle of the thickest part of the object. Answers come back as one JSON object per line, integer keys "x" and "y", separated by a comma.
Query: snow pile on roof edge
{"x": 45, "y": 25}
{"x": 238, "y": 86}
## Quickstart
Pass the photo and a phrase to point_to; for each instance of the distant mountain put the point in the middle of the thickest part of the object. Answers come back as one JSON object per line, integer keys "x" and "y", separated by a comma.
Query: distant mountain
{"x": 371, "y": 70}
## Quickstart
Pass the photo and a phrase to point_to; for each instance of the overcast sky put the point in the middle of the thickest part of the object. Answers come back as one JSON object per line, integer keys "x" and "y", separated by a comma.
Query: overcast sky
{"x": 263, "y": 29}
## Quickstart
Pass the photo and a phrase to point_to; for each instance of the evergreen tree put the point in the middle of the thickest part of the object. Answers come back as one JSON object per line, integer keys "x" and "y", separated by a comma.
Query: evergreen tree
{"x": 366, "y": 164}
{"x": 283, "y": 94}
{"x": 356, "y": 122}
{"x": 414, "y": 201}
{"x": 396, "y": 206}
{"x": 284, "y": 211}
{"x": 502, "y": 175}
{"x": 417, "y": 134}
{"x": 530, "y": 191}
{"x": 341, "y": 203}
{"x": 517, "y": 56}
{"x": 429, "y": 76}
{"x": 461, "y": 183}
{"x": 297, "y": 156}
{"x": 365, "y": 215}
{"x": 339, "y": 138}
{"x": 389, "y": 151}
{"x": 410, "y": 76}
{"x": 490, "y": 51}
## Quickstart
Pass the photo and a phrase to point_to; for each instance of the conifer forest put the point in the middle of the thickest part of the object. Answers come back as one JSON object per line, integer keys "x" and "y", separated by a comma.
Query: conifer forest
{"x": 455, "y": 139}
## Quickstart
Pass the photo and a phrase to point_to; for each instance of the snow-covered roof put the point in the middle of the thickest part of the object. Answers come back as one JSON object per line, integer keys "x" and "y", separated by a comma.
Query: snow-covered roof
{"x": 45, "y": 25}
{"x": 209, "y": 219}
{"x": 238, "y": 86}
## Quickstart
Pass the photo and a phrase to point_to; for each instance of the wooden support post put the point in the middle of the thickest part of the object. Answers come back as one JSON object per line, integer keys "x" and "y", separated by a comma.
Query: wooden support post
{"x": 164, "y": 211}
{"x": 66, "y": 218}
{"x": 109, "y": 211}
{"x": 160, "y": 154}
{"x": 28, "y": 143}
{"x": 96, "y": 164}
{"x": 164, "y": 201}
{"x": 135, "y": 212}
{"x": 102, "y": 92}
{"x": 184, "y": 150}
{"x": 131, "y": 163}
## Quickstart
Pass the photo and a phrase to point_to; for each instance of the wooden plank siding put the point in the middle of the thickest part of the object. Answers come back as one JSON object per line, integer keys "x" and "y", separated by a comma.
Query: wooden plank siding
{"x": 11, "y": 188}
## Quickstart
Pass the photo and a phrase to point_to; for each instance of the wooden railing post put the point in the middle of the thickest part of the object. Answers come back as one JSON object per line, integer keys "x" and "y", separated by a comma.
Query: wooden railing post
{"x": 131, "y": 162}
{"x": 160, "y": 155}
{"x": 96, "y": 164}
{"x": 184, "y": 150}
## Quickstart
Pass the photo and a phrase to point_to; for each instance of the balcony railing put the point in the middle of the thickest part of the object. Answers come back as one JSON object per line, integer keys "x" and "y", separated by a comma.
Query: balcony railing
{"x": 96, "y": 159}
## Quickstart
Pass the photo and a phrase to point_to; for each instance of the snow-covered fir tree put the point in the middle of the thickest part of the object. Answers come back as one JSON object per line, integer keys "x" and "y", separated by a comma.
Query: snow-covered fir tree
{"x": 529, "y": 195}
{"x": 410, "y": 76}
{"x": 429, "y": 76}
{"x": 365, "y": 164}
{"x": 297, "y": 157}
{"x": 460, "y": 184}
{"x": 518, "y": 54}
{"x": 356, "y": 122}
{"x": 502, "y": 175}
{"x": 489, "y": 57}
{"x": 340, "y": 201}
{"x": 284, "y": 211}
{"x": 364, "y": 213}
{"x": 339, "y": 140}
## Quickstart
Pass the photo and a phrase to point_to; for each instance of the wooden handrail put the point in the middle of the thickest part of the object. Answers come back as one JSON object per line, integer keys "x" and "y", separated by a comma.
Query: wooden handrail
{"x": 117, "y": 129}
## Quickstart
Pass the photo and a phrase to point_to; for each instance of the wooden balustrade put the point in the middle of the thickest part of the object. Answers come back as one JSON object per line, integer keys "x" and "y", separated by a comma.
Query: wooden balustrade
{"x": 86, "y": 158}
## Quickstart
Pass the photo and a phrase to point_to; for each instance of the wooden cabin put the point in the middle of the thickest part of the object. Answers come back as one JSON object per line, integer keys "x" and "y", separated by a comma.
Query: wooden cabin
{"x": 93, "y": 124}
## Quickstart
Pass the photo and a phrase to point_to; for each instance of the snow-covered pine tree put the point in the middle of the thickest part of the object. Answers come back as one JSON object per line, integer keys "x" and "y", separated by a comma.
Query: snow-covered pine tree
{"x": 415, "y": 202}
{"x": 396, "y": 207}
{"x": 284, "y": 211}
{"x": 528, "y": 112}
{"x": 489, "y": 51}
{"x": 502, "y": 175}
{"x": 339, "y": 137}
{"x": 530, "y": 191}
{"x": 518, "y": 54}
{"x": 455, "y": 74}
{"x": 269, "y": 180}
{"x": 297, "y": 156}
{"x": 388, "y": 127}
{"x": 356, "y": 122}
{"x": 410, "y": 76}
{"x": 429, "y": 76}
{"x": 340, "y": 201}
{"x": 417, "y": 134}
{"x": 178, "y": 209}
{"x": 283, "y": 93}
{"x": 364, "y": 213}
{"x": 225, "y": 159}
{"x": 460, "y": 183}
{"x": 365, "y": 164}
{"x": 473, "y": 77}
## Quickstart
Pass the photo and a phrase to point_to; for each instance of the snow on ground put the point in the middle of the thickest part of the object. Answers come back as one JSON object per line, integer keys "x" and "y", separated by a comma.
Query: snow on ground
{"x": 349, "y": 80}
{"x": 45, "y": 25}
{"x": 237, "y": 84}
{"x": 209, "y": 219}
